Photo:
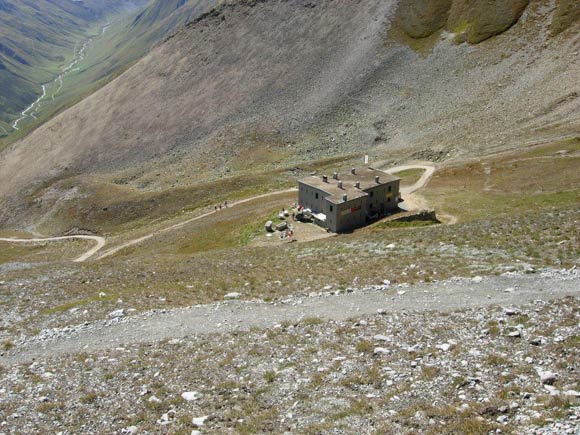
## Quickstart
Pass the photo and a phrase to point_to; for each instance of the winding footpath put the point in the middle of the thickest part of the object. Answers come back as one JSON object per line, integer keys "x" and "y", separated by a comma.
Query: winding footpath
{"x": 429, "y": 171}
{"x": 421, "y": 182}
{"x": 100, "y": 243}
{"x": 188, "y": 221}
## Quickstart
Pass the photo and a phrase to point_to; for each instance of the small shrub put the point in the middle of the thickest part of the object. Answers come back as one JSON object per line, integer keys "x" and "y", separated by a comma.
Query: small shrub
{"x": 270, "y": 376}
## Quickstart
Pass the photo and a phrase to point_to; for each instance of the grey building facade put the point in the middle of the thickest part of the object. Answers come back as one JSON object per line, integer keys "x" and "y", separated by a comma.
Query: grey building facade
{"x": 344, "y": 202}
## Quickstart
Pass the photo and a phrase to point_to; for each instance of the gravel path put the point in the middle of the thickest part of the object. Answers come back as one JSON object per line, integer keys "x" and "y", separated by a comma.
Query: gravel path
{"x": 421, "y": 182}
{"x": 429, "y": 171}
{"x": 454, "y": 294}
{"x": 188, "y": 221}
{"x": 100, "y": 243}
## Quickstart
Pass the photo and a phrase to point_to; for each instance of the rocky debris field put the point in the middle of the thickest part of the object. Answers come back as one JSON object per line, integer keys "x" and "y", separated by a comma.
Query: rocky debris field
{"x": 54, "y": 295}
{"x": 124, "y": 327}
{"x": 506, "y": 369}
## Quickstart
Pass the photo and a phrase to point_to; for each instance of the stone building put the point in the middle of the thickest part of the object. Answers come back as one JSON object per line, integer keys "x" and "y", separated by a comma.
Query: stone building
{"x": 345, "y": 202}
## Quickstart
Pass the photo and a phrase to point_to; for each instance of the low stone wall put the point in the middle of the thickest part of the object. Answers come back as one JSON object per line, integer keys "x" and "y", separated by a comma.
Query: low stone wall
{"x": 412, "y": 216}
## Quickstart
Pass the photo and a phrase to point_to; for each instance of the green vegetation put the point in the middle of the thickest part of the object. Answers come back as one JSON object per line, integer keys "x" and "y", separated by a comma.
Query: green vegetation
{"x": 406, "y": 224}
{"x": 410, "y": 176}
{"x": 253, "y": 229}
{"x": 34, "y": 52}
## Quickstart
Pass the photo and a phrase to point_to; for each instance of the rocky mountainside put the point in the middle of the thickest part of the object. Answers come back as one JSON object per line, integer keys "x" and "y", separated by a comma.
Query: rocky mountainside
{"x": 38, "y": 36}
{"x": 318, "y": 79}
{"x": 135, "y": 35}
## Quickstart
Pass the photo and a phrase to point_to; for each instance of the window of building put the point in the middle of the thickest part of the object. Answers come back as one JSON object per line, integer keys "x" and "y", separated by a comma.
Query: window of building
{"x": 371, "y": 194}
{"x": 331, "y": 208}
{"x": 316, "y": 195}
{"x": 390, "y": 188}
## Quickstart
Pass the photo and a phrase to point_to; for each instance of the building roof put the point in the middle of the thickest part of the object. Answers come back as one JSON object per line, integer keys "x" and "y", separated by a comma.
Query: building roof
{"x": 365, "y": 176}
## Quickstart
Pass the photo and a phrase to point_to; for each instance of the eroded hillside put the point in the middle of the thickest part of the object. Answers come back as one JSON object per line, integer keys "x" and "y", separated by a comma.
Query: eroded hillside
{"x": 299, "y": 81}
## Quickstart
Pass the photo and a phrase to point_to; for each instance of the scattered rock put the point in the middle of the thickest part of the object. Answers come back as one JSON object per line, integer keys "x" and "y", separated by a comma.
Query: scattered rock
{"x": 547, "y": 377}
{"x": 117, "y": 313}
{"x": 190, "y": 396}
{"x": 232, "y": 295}
{"x": 199, "y": 421}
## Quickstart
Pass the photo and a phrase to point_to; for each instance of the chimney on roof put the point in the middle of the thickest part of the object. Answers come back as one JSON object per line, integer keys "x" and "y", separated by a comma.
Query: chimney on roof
{"x": 345, "y": 198}
{"x": 335, "y": 175}
{"x": 325, "y": 178}
{"x": 377, "y": 179}
{"x": 353, "y": 170}
{"x": 340, "y": 184}
{"x": 357, "y": 184}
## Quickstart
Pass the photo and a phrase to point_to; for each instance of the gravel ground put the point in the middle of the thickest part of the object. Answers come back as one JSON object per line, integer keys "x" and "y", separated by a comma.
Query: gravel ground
{"x": 493, "y": 369}
{"x": 457, "y": 293}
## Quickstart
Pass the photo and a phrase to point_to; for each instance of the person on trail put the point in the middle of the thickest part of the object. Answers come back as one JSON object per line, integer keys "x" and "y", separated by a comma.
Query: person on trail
{"x": 215, "y": 208}
{"x": 226, "y": 204}
{"x": 220, "y": 205}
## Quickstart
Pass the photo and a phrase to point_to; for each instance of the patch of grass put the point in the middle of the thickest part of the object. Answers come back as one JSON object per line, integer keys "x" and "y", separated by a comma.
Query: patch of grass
{"x": 365, "y": 346}
{"x": 407, "y": 224}
{"x": 89, "y": 398}
{"x": 270, "y": 376}
{"x": 495, "y": 359}
{"x": 410, "y": 176}
{"x": 430, "y": 372}
{"x": 249, "y": 231}
{"x": 312, "y": 321}
{"x": 357, "y": 407}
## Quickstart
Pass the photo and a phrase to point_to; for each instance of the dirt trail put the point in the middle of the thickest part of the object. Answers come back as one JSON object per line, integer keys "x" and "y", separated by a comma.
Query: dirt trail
{"x": 150, "y": 327}
{"x": 417, "y": 202}
{"x": 429, "y": 171}
{"x": 408, "y": 191}
{"x": 421, "y": 182}
{"x": 188, "y": 221}
{"x": 100, "y": 243}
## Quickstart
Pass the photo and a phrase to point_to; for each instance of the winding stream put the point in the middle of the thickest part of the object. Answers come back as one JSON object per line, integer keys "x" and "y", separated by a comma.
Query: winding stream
{"x": 33, "y": 110}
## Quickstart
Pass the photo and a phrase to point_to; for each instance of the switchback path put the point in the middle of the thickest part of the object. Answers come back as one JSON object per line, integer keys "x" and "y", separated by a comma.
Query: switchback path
{"x": 188, "y": 221}
{"x": 100, "y": 243}
{"x": 429, "y": 171}
{"x": 421, "y": 182}
{"x": 224, "y": 317}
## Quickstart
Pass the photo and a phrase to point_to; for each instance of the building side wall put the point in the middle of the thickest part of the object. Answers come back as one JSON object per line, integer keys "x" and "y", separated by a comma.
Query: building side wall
{"x": 383, "y": 198}
{"x": 311, "y": 197}
{"x": 350, "y": 215}
{"x": 346, "y": 216}
{"x": 331, "y": 212}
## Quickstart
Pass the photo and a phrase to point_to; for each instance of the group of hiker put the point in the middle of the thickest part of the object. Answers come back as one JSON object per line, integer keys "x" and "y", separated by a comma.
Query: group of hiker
{"x": 220, "y": 206}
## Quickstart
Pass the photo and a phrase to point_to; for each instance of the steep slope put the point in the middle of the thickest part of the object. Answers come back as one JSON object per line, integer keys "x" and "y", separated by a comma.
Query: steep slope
{"x": 99, "y": 55}
{"x": 131, "y": 38}
{"x": 308, "y": 80}
{"x": 36, "y": 38}
{"x": 472, "y": 21}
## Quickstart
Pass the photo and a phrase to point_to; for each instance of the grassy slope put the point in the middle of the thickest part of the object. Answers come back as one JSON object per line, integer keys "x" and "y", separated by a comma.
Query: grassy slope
{"x": 37, "y": 39}
{"x": 126, "y": 39}
{"x": 502, "y": 227}
{"x": 193, "y": 116}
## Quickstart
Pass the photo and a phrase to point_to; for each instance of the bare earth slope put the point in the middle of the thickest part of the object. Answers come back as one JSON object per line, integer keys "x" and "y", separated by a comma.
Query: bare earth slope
{"x": 303, "y": 68}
